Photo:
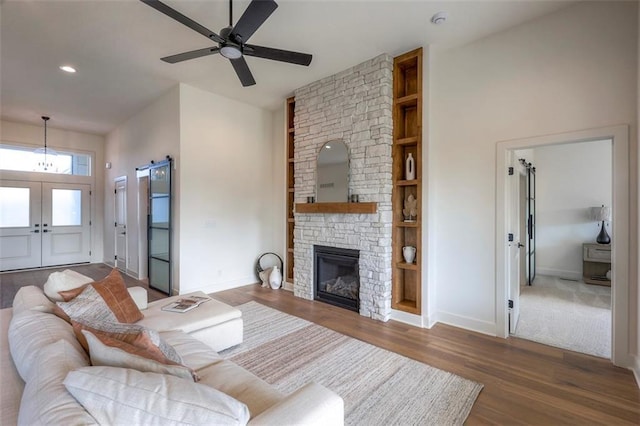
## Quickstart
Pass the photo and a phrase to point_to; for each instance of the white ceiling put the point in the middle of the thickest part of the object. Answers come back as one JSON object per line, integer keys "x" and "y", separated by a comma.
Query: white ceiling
{"x": 116, "y": 45}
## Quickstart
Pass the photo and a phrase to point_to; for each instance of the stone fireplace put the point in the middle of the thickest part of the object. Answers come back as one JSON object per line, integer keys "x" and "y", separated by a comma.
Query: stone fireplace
{"x": 354, "y": 106}
{"x": 336, "y": 276}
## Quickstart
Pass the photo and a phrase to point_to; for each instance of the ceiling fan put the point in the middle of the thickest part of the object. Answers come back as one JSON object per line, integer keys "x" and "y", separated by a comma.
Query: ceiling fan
{"x": 232, "y": 41}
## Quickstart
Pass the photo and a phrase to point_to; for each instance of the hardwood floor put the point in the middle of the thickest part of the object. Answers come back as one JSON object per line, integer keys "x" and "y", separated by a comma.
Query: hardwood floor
{"x": 10, "y": 282}
{"x": 524, "y": 382}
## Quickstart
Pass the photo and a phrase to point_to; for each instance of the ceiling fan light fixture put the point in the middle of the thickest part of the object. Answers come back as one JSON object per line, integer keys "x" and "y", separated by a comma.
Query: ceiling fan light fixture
{"x": 230, "y": 52}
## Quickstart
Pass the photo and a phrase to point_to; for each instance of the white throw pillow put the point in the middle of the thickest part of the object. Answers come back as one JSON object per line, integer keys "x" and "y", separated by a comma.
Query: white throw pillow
{"x": 30, "y": 331}
{"x": 31, "y": 297}
{"x": 63, "y": 281}
{"x": 123, "y": 396}
{"x": 104, "y": 355}
{"x": 45, "y": 400}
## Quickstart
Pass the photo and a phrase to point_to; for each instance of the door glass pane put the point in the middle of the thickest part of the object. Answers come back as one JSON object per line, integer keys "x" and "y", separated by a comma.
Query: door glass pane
{"x": 66, "y": 207}
{"x": 160, "y": 180}
{"x": 14, "y": 207}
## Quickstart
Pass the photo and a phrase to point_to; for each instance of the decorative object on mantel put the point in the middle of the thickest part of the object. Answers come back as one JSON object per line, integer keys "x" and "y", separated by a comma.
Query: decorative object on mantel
{"x": 410, "y": 210}
{"x": 355, "y": 198}
{"x": 46, "y": 157}
{"x": 275, "y": 278}
{"x": 602, "y": 214}
{"x": 311, "y": 199}
{"x": 410, "y": 168}
{"x": 409, "y": 253}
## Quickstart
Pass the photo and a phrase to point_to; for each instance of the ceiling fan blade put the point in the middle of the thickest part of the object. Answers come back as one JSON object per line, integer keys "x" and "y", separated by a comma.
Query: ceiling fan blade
{"x": 277, "y": 54}
{"x": 257, "y": 12}
{"x": 243, "y": 71}
{"x": 191, "y": 55}
{"x": 174, "y": 14}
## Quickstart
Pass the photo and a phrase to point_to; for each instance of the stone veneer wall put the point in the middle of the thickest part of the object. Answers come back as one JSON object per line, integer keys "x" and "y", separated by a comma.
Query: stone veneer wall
{"x": 354, "y": 106}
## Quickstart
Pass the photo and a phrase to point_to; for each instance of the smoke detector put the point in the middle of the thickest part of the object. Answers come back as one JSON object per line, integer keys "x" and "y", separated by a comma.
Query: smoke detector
{"x": 439, "y": 18}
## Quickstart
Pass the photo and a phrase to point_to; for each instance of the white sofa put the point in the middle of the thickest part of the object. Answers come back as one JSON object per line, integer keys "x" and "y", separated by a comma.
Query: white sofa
{"x": 33, "y": 333}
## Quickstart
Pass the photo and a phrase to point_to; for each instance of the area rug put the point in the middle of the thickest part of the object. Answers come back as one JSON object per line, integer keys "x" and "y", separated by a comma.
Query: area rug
{"x": 379, "y": 387}
{"x": 566, "y": 314}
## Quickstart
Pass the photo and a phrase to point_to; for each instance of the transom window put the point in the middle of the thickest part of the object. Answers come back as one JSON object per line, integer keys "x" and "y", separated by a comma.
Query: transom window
{"x": 25, "y": 159}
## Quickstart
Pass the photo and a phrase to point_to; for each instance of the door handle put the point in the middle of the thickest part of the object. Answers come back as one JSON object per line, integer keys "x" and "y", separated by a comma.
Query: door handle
{"x": 520, "y": 245}
{"x": 37, "y": 231}
{"x": 45, "y": 230}
{"x": 123, "y": 233}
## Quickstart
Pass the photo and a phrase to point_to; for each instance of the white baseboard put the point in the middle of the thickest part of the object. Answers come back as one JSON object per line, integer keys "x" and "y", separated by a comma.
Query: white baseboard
{"x": 404, "y": 317}
{"x": 472, "y": 324}
{"x": 227, "y": 285}
{"x": 635, "y": 360}
{"x": 560, "y": 273}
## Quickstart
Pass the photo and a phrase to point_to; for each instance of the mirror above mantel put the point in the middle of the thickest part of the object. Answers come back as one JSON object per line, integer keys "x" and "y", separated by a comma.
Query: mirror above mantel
{"x": 332, "y": 173}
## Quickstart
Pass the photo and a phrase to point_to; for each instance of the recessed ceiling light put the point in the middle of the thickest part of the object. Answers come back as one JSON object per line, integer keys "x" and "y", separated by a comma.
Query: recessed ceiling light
{"x": 439, "y": 18}
{"x": 68, "y": 68}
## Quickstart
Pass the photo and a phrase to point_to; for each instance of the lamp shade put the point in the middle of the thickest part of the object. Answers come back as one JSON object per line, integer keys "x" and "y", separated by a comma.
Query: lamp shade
{"x": 601, "y": 213}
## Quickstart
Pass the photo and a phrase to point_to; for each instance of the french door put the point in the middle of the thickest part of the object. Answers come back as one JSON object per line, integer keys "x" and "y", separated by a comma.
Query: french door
{"x": 43, "y": 224}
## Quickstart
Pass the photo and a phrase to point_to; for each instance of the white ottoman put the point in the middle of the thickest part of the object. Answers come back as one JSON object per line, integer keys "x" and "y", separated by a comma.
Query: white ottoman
{"x": 213, "y": 323}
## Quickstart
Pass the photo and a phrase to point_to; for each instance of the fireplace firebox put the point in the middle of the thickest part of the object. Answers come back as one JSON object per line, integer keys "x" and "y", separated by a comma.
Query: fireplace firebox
{"x": 337, "y": 276}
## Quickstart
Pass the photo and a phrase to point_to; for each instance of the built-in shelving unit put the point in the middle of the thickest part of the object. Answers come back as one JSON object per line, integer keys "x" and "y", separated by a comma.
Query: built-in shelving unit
{"x": 291, "y": 106}
{"x": 407, "y": 139}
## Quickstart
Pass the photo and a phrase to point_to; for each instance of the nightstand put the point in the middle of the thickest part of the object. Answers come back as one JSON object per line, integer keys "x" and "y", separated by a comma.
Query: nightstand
{"x": 596, "y": 261}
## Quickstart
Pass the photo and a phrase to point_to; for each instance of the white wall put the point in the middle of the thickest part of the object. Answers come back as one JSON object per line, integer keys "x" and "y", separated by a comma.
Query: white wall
{"x": 570, "y": 179}
{"x": 149, "y": 135}
{"x": 571, "y": 70}
{"x": 30, "y": 135}
{"x": 226, "y": 192}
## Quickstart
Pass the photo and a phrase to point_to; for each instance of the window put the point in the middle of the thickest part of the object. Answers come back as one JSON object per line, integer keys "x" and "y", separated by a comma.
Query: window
{"x": 66, "y": 207}
{"x": 26, "y": 160}
{"x": 14, "y": 207}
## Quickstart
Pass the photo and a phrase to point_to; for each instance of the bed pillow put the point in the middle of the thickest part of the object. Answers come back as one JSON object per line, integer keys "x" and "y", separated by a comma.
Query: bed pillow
{"x": 105, "y": 300}
{"x": 106, "y": 351}
{"x": 124, "y": 396}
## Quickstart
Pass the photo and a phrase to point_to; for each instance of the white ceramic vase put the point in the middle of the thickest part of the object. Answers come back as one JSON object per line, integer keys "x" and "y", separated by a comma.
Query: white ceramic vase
{"x": 275, "y": 279}
{"x": 410, "y": 168}
{"x": 409, "y": 253}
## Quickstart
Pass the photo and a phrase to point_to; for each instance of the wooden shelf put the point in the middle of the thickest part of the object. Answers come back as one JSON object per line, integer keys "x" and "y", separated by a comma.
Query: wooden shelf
{"x": 409, "y": 100}
{"x": 404, "y": 224}
{"x": 290, "y": 151}
{"x": 407, "y": 140}
{"x": 343, "y": 208}
{"x": 407, "y": 306}
{"x": 408, "y": 266}
{"x": 407, "y": 182}
{"x": 412, "y": 140}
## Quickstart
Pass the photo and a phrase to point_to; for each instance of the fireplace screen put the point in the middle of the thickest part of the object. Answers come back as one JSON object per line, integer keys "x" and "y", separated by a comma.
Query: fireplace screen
{"x": 337, "y": 279}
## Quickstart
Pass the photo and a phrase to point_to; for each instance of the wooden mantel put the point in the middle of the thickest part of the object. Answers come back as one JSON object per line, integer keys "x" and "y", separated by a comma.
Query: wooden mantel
{"x": 344, "y": 208}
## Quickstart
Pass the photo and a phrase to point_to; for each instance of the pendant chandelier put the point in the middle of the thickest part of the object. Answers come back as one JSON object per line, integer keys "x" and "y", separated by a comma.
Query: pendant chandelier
{"x": 46, "y": 157}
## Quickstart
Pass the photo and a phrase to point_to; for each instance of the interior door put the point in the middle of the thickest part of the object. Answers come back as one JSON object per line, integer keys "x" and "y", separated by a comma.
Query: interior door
{"x": 515, "y": 246}
{"x": 121, "y": 223}
{"x": 20, "y": 236}
{"x": 66, "y": 226}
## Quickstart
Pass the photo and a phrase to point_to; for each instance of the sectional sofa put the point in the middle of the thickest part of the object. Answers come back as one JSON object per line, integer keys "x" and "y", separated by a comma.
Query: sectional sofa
{"x": 48, "y": 377}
